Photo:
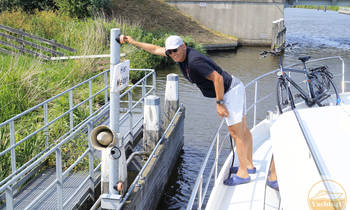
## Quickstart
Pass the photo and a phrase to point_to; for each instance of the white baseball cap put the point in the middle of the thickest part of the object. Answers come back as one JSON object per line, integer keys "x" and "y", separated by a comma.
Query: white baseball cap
{"x": 173, "y": 42}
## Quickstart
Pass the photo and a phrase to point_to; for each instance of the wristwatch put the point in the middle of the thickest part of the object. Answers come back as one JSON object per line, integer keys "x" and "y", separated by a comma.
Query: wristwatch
{"x": 220, "y": 101}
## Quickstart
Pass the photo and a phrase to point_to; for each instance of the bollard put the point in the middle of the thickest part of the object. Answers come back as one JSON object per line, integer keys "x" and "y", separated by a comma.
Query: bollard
{"x": 151, "y": 123}
{"x": 171, "y": 103}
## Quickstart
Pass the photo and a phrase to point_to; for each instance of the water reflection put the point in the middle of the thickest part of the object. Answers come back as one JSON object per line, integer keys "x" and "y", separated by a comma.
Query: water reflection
{"x": 314, "y": 36}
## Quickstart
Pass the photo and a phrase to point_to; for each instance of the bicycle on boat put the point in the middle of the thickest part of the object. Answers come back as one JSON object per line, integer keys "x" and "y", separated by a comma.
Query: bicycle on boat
{"x": 319, "y": 80}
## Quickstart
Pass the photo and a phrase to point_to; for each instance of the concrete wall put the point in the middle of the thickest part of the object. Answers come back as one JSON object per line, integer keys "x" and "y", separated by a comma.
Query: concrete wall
{"x": 150, "y": 187}
{"x": 248, "y": 20}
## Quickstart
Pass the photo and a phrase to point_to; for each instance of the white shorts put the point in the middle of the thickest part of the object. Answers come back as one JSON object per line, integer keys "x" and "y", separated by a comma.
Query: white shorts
{"x": 235, "y": 103}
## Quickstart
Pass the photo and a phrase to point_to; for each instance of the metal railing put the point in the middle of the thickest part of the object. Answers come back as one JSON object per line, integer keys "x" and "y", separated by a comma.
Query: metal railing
{"x": 198, "y": 187}
{"x": 131, "y": 102}
{"x": 17, "y": 40}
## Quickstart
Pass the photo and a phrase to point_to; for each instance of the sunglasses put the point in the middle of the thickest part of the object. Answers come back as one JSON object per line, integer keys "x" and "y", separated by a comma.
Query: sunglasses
{"x": 168, "y": 52}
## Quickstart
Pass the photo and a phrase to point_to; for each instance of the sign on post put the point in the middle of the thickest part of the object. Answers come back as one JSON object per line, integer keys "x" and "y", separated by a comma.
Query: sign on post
{"x": 120, "y": 76}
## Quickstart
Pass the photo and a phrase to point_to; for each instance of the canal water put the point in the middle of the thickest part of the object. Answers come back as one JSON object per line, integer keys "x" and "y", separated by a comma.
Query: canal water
{"x": 318, "y": 34}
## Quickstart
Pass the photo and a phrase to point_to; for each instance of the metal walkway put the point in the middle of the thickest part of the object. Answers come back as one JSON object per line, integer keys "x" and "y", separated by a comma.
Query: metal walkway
{"x": 49, "y": 201}
{"x": 36, "y": 186}
{"x": 72, "y": 182}
{"x": 65, "y": 183}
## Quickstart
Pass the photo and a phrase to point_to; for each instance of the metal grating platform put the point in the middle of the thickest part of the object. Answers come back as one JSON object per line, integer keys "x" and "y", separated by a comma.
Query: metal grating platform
{"x": 49, "y": 201}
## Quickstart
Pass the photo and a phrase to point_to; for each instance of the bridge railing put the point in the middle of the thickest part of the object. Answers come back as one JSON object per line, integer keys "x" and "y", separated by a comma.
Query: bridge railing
{"x": 60, "y": 140}
{"x": 260, "y": 100}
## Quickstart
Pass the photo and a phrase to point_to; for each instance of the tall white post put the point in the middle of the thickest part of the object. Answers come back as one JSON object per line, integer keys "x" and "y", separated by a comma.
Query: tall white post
{"x": 151, "y": 123}
{"x": 115, "y": 95}
{"x": 171, "y": 103}
{"x": 114, "y": 111}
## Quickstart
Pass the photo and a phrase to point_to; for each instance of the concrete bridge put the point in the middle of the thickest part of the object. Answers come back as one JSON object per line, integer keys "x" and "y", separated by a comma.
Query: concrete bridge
{"x": 248, "y": 20}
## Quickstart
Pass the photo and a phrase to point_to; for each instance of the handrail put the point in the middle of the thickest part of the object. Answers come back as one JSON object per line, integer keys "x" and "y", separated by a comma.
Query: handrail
{"x": 201, "y": 171}
{"x": 51, "y": 99}
{"x": 49, "y": 152}
{"x": 30, "y": 44}
{"x": 95, "y": 116}
{"x": 257, "y": 101}
{"x": 37, "y": 48}
{"x": 50, "y": 42}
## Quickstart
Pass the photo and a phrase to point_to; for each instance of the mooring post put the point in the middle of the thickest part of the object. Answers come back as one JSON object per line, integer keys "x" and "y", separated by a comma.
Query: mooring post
{"x": 151, "y": 123}
{"x": 278, "y": 38}
{"x": 113, "y": 111}
{"x": 171, "y": 103}
{"x": 111, "y": 172}
{"x": 114, "y": 168}
{"x": 119, "y": 172}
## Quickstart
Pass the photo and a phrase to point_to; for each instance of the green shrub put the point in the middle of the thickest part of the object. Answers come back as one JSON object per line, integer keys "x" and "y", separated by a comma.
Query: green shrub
{"x": 27, "y": 5}
{"x": 82, "y": 8}
{"x": 74, "y": 8}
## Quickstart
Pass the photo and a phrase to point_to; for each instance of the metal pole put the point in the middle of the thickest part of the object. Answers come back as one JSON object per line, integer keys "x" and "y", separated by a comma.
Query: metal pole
{"x": 113, "y": 171}
{"x": 106, "y": 85}
{"x": 9, "y": 198}
{"x": 343, "y": 77}
{"x": 255, "y": 99}
{"x": 154, "y": 82}
{"x": 90, "y": 99}
{"x": 130, "y": 113}
{"x": 200, "y": 193}
{"x": 217, "y": 157}
{"x": 46, "y": 122}
{"x": 143, "y": 92}
{"x": 114, "y": 110}
{"x": 71, "y": 116}
{"x": 115, "y": 95}
{"x": 13, "y": 150}
{"x": 59, "y": 179}
{"x": 91, "y": 163}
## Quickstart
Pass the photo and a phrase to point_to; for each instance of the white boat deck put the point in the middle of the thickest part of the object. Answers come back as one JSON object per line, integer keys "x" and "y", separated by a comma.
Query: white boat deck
{"x": 296, "y": 169}
{"x": 244, "y": 196}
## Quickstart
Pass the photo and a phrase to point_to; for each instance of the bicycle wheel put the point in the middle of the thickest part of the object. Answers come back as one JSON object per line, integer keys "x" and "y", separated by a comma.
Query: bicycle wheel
{"x": 322, "y": 88}
{"x": 319, "y": 84}
{"x": 284, "y": 96}
{"x": 335, "y": 92}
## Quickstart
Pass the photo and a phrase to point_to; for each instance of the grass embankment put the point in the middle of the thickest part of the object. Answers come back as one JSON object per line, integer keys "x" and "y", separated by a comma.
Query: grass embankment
{"x": 333, "y": 8}
{"x": 156, "y": 15}
{"x": 27, "y": 81}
